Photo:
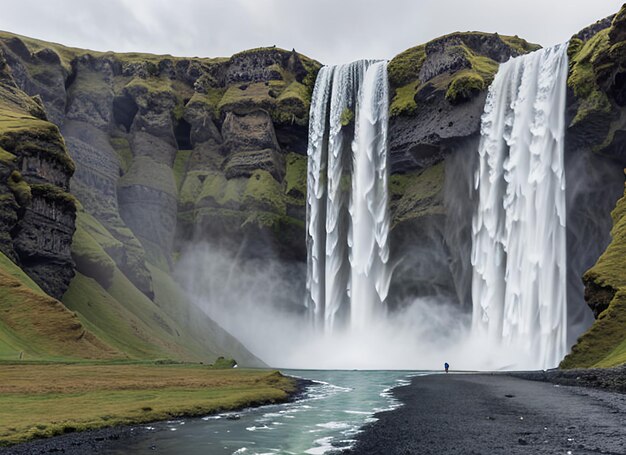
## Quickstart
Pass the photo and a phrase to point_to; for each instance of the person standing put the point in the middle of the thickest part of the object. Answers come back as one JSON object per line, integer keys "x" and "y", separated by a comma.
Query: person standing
{"x": 446, "y": 366}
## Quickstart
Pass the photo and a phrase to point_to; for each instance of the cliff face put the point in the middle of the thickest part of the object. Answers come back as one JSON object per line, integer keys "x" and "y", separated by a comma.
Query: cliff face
{"x": 37, "y": 210}
{"x": 166, "y": 151}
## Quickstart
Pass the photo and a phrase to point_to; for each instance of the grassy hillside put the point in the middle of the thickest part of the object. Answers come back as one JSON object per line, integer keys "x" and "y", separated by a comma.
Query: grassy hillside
{"x": 107, "y": 303}
{"x": 36, "y": 326}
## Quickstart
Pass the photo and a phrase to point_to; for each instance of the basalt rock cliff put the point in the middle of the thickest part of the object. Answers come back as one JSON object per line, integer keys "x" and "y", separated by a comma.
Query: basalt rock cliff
{"x": 113, "y": 165}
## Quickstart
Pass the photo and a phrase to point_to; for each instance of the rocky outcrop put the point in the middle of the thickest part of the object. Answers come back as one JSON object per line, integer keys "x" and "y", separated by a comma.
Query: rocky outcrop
{"x": 597, "y": 93}
{"x": 439, "y": 94}
{"x": 263, "y": 65}
{"x": 249, "y": 144}
{"x": 37, "y": 211}
{"x": 39, "y": 71}
{"x": 44, "y": 236}
{"x": 427, "y": 137}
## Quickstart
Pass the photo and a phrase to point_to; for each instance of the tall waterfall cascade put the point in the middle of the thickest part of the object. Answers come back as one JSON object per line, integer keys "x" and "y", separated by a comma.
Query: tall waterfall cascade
{"x": 519, "y": 224}
{"x": 347, "y": 200}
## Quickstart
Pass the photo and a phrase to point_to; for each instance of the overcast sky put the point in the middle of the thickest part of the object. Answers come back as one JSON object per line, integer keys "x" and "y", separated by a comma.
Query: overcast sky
{"x": 331, "y": 31}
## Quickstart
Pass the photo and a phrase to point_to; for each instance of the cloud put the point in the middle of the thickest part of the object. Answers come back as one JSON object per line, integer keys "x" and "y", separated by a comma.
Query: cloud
{"x": 331, "y": 31}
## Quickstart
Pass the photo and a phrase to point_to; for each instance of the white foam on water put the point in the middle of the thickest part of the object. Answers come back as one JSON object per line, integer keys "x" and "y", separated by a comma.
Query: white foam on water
{"x": 334, "y": 425}
{"x": 323, "y": 445}
{"x": 259, "y": 427}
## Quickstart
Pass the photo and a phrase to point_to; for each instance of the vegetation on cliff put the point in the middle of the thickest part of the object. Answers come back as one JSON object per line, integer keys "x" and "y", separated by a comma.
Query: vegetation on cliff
{"x": 457, "y": 67}
{"x": 597, "y": 75}
{"x": 417, "y": 194}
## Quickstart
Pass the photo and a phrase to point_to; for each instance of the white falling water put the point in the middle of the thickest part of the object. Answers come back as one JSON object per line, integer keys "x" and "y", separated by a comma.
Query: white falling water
{"x": 369, "y": 204}
{"x": 518, "y": 228}
{"x": 347, "y": 223}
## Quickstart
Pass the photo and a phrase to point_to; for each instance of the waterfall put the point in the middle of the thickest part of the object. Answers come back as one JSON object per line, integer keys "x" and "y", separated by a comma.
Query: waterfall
{"x": 518, "y": 228}
{"x": 347, "y": 213}
{"x": 369, "y": 203}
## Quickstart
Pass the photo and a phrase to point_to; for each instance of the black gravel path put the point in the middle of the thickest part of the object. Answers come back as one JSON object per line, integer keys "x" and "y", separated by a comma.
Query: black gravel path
{"x": 497, "y": 414}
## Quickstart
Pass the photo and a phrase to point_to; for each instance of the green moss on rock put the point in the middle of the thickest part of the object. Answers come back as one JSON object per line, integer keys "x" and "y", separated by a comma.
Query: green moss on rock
{"x": 20, "y": 189}
{"x": 54, "y": 194}
{"x": 244, "y": 96}
{"x": 296, "y": 175}
{"x": 180, "y": 166}
{"x": 520, "y": 45}
{"x": 604, "y": 345}
{"x": 403, "y": 102}
{"x": 150, "y": 85}
{"x": 464, "y": 86}
{"x": 123, "y": 150}
{"x": 144, "y": 171}
{"x": 610, "y": 269}
{"x": 582, "y": 78}
{"x": 417, "y": 194}
{"x": 295, "y": 100}
{"x": 24, "y": 135}
{"x": 217, "y": 190}
{"x": 405, "y": 67}
{"x": 6, "y": 158}
{"x": 286, "y": 102}
{"x": 208, "y": 101}
{"x": 263, "y": 192}
{"x": 89, "y": 255}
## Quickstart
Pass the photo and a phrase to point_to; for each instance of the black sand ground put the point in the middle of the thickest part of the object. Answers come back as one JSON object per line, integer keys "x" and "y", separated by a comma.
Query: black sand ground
{"x": 497, "y": 414}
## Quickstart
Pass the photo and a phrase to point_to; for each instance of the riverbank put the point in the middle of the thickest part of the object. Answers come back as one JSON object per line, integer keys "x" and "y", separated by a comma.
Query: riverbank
{"x": 497, "y": 414}
{"x": 64, "y": 400}
{"x": 612, "y": 379}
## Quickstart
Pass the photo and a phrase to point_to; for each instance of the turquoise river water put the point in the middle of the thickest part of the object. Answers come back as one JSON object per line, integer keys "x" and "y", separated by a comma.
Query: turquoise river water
{"x": 325, "y": 420}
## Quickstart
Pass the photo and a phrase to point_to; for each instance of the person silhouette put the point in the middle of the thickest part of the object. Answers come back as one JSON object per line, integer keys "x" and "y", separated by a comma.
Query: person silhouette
{"x": 446, "y": 366}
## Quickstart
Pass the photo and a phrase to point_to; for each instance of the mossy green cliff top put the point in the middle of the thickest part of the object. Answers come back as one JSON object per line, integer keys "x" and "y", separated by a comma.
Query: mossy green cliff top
{"x": 459, "y": 65}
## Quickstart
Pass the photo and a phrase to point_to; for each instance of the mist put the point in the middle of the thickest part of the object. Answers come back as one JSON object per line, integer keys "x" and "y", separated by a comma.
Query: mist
{"x": 261, "y": 302}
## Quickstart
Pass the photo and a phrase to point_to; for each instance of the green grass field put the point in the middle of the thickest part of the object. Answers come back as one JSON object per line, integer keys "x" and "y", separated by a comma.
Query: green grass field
{"x": 40, "y": 400}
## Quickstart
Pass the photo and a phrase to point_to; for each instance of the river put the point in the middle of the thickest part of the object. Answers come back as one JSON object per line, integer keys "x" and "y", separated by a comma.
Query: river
{"x": 325, "y": 420}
